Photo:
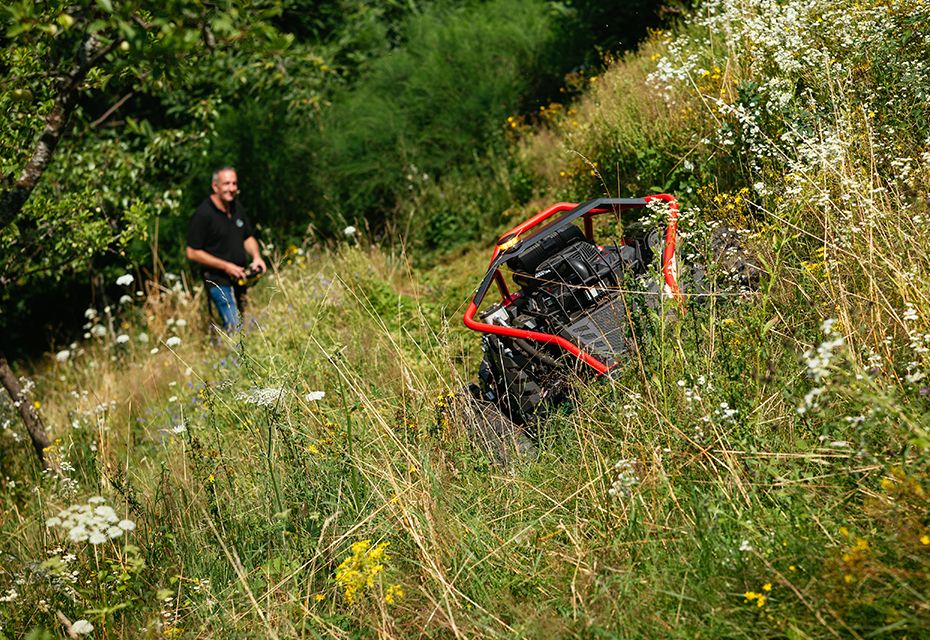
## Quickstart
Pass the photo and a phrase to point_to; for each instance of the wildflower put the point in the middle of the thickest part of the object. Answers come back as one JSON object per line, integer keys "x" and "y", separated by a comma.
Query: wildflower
{"x": 181, "y": 322}
{"x": 154, "y": 350}
{"x": 97, "y": 537}
{"x": 319, "y": 597}
{"x": 626, "y": 479}
{"x": 143, "y": 338}
{"x": 313, "y": 396}
{"x": 98, "y": 331}
{"x": 767, "y": 586}
{"x": 82, "y": 626}
{"x": 173, "y": 341}
{"x": 818, "y": 361}
{"x": 810, "y": 400}
{"x": 261, "y": 397}
{"x": 179, "y": 428}
{"x": 357, "y": 572}
{"x": 393, "y": 593}
{"x": 92, "y": 522}
{"x": 125, "y": 280}
{"x": 757, "y": 597}
{"x": 350, "y": 231}
{"x": 122, "y": 338}
{"x": 726, "y": 412}
{"x": 745, "y": 547}
{"x": 124, "y": 299}
{"x": 925, "y": 539}
{"x": 63, "y": 355}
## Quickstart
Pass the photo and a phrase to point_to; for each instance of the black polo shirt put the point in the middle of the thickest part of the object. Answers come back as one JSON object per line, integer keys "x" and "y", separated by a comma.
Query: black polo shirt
{"x": 221, "y": 236}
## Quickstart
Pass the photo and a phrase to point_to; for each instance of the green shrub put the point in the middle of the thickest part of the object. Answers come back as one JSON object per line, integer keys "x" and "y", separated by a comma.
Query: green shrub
{"x": 432, "y": 106}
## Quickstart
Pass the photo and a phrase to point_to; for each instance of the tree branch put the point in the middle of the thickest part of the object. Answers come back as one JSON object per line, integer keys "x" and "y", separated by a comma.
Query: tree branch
{"x": 109, "y": 112}
{"x": 37, "y": 433}
{"x": 13, "y": 200}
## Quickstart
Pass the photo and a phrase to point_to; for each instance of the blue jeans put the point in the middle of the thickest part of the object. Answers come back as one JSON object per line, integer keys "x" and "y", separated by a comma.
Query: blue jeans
{"x": 224, "y": 299}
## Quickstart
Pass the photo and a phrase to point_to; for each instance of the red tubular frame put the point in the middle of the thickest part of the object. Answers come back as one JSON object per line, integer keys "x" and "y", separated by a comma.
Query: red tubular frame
{"x": 668, "y": 265}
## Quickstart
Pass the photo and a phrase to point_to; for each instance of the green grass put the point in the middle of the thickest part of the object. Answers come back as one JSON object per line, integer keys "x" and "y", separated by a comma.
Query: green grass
{"x": 687, "y": 497}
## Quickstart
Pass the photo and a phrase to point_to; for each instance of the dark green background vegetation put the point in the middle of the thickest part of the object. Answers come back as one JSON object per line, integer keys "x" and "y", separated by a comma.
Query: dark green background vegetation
{"x": 350, "y": 112}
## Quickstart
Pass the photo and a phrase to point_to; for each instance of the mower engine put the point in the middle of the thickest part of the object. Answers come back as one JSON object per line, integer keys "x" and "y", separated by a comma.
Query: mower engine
{"x": 569, "y": 287}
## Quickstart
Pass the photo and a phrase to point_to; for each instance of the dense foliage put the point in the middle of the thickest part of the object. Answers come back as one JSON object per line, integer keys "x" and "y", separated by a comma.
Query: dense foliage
{"x": 324, "y": 108}
{"x": 760, "y": 467}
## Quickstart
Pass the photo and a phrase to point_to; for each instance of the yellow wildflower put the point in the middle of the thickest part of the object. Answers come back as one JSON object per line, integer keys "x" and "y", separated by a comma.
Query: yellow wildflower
{"x": 394, "y": 593}
{"x": 767, "y": 586}
{"x": 925, "y": 539}
{"x": 357, "y": 572}
{"x": 757, "y": 597}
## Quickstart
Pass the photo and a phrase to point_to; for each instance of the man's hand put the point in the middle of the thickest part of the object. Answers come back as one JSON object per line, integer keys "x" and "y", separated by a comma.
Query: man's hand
{"x": 259, "y": 263}
{"x": 234, "y": 271}
{"x": 251, "y": 247}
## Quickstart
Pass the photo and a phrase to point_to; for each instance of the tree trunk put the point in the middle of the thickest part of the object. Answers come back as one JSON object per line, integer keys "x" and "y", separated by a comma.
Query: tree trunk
{"x": 27, "y": 412}
{"x": 13, "y": 200}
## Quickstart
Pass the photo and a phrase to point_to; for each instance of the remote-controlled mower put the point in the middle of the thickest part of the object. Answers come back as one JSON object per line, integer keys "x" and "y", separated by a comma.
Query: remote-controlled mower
{"x": 562, "y": 309}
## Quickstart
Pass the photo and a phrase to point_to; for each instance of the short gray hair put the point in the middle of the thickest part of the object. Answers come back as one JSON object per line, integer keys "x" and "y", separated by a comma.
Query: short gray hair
{"x": 217, "y": 172}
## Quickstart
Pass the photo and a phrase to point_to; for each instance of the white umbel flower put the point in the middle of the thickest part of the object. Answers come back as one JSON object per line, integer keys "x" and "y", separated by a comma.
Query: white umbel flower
{"x": 82, "y": 627}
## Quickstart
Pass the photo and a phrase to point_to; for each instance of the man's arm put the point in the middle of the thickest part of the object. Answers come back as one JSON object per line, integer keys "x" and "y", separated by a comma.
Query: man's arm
{"x": 200, "y": 256}
{"x": 251, "y": 248}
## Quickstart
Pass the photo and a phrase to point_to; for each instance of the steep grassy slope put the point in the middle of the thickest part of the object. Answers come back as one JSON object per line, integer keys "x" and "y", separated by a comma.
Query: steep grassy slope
{"x": 760, "y": 471}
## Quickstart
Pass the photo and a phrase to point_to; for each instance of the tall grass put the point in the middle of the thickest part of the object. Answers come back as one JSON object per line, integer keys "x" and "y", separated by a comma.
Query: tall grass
{"x": 760, "y": 469}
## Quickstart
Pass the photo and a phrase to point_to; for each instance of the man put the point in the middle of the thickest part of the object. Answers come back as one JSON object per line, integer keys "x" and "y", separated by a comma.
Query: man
{"x": 220, "y": 239}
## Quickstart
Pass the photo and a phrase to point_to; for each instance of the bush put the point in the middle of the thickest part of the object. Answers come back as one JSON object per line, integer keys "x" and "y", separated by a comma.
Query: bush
{"x": 437, "y": 103}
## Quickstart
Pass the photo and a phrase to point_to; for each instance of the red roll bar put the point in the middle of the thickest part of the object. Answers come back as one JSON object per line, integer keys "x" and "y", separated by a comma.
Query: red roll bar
{"x": 511, "y": 241}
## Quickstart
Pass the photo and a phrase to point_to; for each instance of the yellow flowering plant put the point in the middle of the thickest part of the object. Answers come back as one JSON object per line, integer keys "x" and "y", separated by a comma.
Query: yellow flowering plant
{"x": 358, "y": 570}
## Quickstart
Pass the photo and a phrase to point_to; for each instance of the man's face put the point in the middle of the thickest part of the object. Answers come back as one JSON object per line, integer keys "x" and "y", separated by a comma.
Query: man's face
{"x": 226, "y": 186}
